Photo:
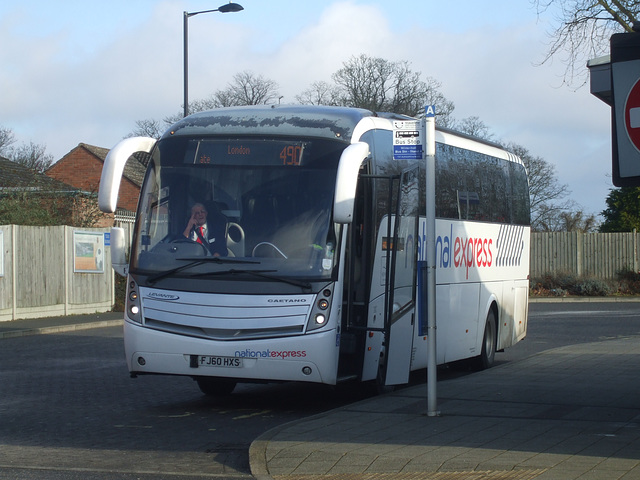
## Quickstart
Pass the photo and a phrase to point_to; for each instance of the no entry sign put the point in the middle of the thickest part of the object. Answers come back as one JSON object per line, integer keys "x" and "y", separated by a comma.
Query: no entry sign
{"x": 625, "y": 83}
{"x": 632, "y": 115}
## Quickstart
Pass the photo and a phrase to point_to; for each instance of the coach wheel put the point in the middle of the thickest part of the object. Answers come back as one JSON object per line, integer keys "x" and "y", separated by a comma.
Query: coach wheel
{"x": 215, "y": 386}
{"x": 489, "y": 341}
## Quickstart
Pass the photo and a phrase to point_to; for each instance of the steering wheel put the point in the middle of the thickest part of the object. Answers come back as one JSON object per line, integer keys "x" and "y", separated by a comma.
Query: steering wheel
{"x": 182, "y": 239}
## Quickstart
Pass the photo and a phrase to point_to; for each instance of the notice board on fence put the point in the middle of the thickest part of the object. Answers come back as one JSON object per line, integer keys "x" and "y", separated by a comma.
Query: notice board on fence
{"x": 88, "y": 252}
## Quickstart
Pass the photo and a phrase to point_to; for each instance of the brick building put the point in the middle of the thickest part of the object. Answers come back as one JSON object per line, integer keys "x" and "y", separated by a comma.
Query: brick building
{"x": 82, "y": 167}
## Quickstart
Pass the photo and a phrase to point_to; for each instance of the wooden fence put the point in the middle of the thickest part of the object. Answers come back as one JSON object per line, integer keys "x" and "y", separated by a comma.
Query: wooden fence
{"x": 51, "y": 271}
{"x": 598, "y": 255}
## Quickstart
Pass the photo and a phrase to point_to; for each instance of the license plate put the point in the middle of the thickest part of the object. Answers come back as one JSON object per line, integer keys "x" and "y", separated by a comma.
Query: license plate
{"x": 211, "y": 361}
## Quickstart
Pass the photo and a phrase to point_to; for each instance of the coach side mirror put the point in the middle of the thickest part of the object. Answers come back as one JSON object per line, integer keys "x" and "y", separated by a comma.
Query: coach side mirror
{"x": 118, "y": 252}
{"x": 114, "y": 166}
{"x": 346, "y": 181}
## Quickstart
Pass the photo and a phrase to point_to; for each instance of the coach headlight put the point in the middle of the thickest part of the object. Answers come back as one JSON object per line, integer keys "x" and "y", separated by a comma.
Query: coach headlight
{"x": 319, "y": 316}
{"x": 133, "y": 302}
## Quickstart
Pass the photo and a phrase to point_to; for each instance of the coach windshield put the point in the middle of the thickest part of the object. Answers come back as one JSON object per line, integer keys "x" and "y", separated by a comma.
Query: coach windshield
{"x": 267, "y": 205}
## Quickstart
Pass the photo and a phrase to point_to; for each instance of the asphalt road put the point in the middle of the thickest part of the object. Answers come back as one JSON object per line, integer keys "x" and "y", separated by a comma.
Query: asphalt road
{"x": 68, "y": 409}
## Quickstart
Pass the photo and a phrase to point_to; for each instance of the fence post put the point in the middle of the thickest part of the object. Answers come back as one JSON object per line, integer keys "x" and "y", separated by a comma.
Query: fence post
{"x": 579, "y": 253}
{"x": 65, "y": 269}
{"x": 14, "y": 294}
{"x": 635, "y": 250}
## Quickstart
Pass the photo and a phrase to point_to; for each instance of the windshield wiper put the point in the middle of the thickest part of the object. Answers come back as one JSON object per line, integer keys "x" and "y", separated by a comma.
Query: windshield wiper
{"x": 262, "y": 274}
{"x": 194, "y": 263}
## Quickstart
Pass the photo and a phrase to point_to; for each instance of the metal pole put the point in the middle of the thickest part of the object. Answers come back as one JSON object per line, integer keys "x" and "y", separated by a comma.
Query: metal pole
{"x": 432, "y": 370}
{"x": 186, "y": 63}
{"x": 227, "y": 7}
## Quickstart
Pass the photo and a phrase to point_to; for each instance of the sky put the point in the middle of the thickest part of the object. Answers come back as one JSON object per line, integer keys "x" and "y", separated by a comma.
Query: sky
{"x": 78, "y": 71}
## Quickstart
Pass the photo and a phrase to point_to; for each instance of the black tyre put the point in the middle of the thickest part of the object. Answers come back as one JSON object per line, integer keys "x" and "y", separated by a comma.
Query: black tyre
{"x": 215, "y": 386}
{"x": 489, "y": 341}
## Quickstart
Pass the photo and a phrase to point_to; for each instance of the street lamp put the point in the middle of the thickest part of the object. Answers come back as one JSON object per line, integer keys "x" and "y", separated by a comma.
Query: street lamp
{"x": 229, "y": 7}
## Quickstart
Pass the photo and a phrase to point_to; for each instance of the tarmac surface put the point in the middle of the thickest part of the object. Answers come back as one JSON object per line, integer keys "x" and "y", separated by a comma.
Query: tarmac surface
{"x": 567, "y": 413}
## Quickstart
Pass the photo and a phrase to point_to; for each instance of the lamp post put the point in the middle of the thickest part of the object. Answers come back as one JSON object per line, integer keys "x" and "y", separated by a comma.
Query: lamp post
{"x": 229, "y": 7}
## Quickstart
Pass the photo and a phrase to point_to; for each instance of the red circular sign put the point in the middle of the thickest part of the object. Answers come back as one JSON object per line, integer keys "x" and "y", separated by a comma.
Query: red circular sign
{"x": 632, "y": 115}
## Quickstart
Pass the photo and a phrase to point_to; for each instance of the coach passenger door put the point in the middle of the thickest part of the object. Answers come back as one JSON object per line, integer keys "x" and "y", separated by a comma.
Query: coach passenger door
{"x": 400, "y": 302}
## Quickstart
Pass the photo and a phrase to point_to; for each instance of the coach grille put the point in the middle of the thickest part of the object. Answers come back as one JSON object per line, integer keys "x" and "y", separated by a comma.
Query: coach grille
{"x": 223, "y": 334}
{"x": 227, "y": 317}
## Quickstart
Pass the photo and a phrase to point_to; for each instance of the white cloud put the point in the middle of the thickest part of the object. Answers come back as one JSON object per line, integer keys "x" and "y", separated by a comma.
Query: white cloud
{"x": 135, "y": 72}
{"x": 344, "y": 29}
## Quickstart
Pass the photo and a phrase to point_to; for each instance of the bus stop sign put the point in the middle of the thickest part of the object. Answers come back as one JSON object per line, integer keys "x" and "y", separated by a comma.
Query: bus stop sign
{"x": 625, "y": 83}
{"x": 407, "y": 140}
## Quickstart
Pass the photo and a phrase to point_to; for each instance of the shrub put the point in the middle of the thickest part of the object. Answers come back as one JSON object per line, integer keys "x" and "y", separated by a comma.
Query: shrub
{"x": 562, "y": 284}
{"x": 628, "y": 282}
{"x": 591, "y": 287}
{"x": 553, "y": 284}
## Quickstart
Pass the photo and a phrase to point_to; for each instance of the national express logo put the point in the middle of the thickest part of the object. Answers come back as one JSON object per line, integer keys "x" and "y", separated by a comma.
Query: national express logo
{"x": 466, "y": 252}
{"x": 268, "y": 353}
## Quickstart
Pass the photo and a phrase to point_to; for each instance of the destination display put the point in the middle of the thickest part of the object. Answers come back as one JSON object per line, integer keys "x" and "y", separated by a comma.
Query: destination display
{"x": 248, "y": 152}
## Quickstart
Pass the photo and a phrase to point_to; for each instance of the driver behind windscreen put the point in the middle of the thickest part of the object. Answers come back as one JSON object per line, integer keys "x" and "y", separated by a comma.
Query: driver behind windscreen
{"x": 211, "y": 233}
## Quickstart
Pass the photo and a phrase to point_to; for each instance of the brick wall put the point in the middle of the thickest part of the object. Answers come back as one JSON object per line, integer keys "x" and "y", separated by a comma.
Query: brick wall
{"x": 128, "y": 195}
{"x": 80, "y": 168}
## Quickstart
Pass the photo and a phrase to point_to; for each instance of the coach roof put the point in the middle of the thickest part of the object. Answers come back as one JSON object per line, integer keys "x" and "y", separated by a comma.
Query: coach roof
{"x": 302, "y": 120}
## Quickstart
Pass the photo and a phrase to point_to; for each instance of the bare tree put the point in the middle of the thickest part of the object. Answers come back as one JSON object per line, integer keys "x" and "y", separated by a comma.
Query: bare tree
{"x": 578, "y": 221}
{"x": 473, "y": 126}
{"x": 32, "y": 156}
{"x": 364, "y": 82}
{"x": 147, "y": 128}
{"x": 546, "y": 194}
{"x": 247, "y": 88}
{"x": 583, "y": 30}
{"x": 204, "y": 104}
{"x": 7, "y": 139}
{"x": 380, "y": 85}
{"x": 320, "y": 93}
